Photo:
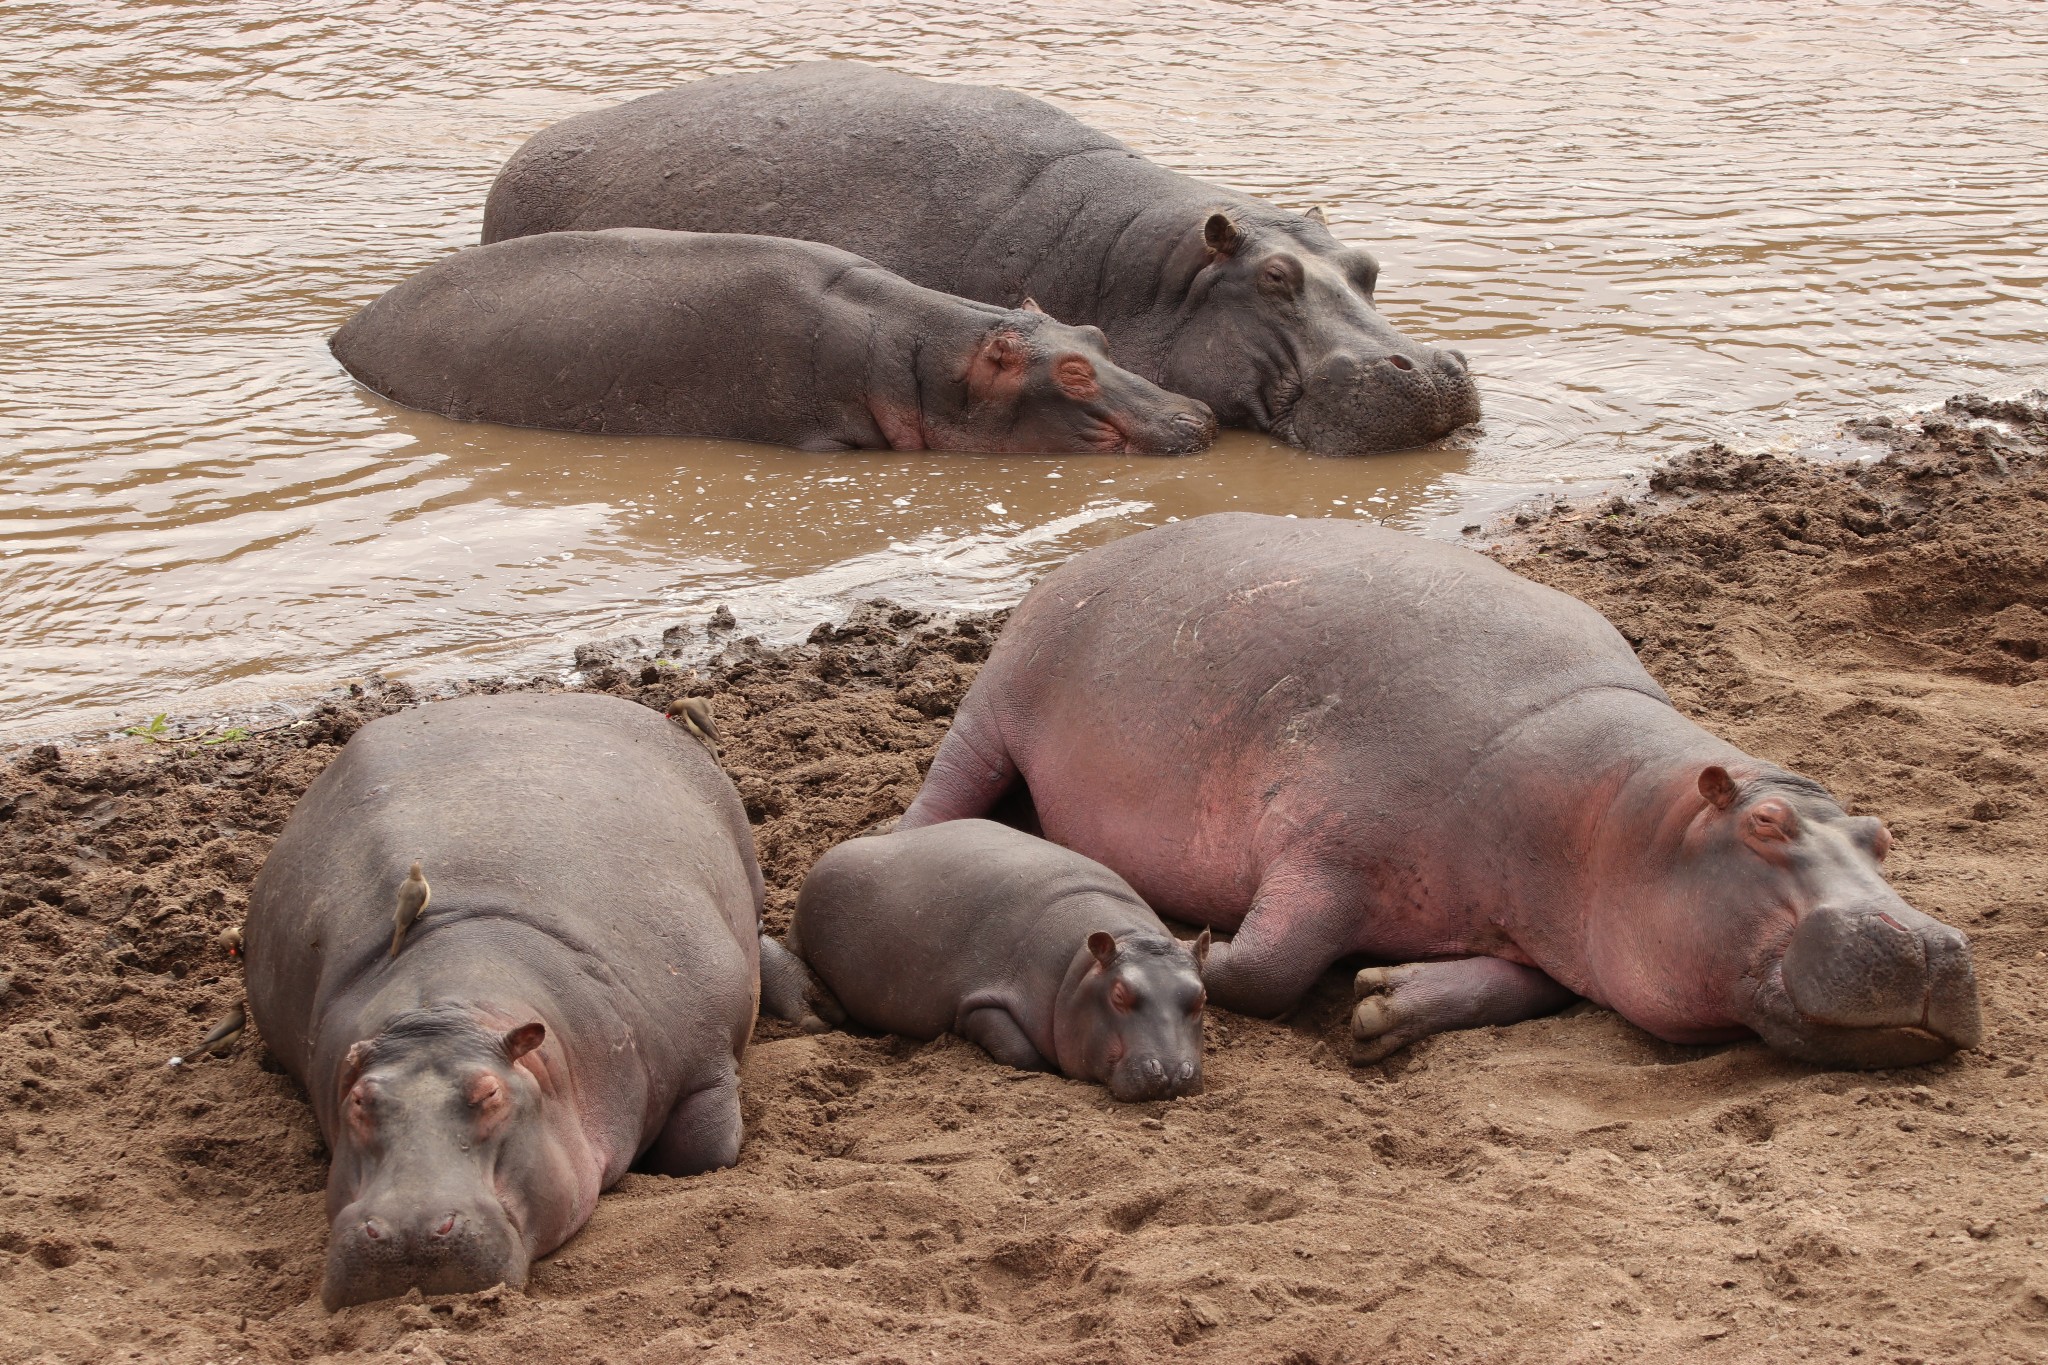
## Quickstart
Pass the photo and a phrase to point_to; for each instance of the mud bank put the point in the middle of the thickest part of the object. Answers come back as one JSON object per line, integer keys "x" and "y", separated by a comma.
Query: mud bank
{"x": 1563, "y": 1190}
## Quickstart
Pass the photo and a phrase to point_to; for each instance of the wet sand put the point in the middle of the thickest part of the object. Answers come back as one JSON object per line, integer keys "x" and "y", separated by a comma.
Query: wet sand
{"x": 1563, "y": 1190}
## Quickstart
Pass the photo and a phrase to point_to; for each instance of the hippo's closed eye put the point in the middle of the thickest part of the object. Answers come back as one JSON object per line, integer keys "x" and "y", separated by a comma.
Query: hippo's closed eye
{"x": 1123, "y": 997}
{"x": 1280, "y": 277}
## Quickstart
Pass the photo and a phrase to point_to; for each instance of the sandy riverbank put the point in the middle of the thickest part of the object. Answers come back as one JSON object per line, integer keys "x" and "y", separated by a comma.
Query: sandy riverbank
{"x": 1567, "y": 1189}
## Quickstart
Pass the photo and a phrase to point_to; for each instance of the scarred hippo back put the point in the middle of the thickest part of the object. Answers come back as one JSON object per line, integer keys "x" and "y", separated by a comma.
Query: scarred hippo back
{"x": 1256, "y": 311}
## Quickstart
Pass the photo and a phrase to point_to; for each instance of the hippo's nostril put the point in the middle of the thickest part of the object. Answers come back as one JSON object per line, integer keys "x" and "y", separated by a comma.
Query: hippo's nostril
{"x": 1400, "y": 362}
{"x": 1154, "y": 1070}
{"x": 1187, "y": 1070}
{"x": 1455, "y": 361}
{"x": 446, "y": 1227}
{"x": 372, "y": 1231}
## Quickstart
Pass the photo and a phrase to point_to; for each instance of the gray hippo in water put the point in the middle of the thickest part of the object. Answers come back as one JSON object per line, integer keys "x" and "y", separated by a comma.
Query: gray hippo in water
{"x": 1336, "y": 739}
{"x": 754, "y": 338}
{"x": 1044, "y": 958}
{"x": 574, "y": 993}
{"x": 1258, "y": 312}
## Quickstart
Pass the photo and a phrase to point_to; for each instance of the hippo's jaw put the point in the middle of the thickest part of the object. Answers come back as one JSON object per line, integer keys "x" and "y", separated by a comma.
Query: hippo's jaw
{"x": 381, "y": 1249}
{"x": 1869, "y": 988}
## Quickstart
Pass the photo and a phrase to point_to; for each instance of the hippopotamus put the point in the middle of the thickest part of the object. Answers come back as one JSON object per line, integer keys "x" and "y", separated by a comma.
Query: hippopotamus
{"x": 633, "y": 331}
{"x": 575, "y": 995}
{"x": 1258, "y": 312}
{"x": 1047, "y": 960}
{"x": 1340, "y": 739}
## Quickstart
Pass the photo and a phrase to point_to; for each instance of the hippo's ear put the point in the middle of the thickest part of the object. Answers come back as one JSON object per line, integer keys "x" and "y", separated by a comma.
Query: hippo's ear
{"x": 1315, "y": 215}
{"x": 1030, "y": 305}
{"x": 997, "y": 370}
{"x": 1717, "y": 786}
{"x": 524, "y": 1039}
{"x": 1200, "y": 948}
{"x": 1103, "y": 946}
{"x": 1076, "y": 377}
{"x": 1221, "y": 235}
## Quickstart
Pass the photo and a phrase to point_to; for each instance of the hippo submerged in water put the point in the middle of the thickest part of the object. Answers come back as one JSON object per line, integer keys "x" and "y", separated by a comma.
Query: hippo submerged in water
{"x": 754, "y": 338}
{"x": 1045, "y": 959}
{"x": 1258, "y": 312}
{"x": 1340, "y": 739}
{"x": 573, "y": 993}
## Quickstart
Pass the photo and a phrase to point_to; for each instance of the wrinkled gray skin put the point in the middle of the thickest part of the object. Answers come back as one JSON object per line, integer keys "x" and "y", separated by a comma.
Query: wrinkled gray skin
{"x": 791, "y": 343}
{"x": 986, "y": 193}
{"x": 576, "y": 996}
{"x": 1341, "y": 739}
{"x": 1048, "y": 961}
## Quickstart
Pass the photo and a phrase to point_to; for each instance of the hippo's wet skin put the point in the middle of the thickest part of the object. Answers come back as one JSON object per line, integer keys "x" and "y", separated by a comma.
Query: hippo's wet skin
{"x": 1258, "y": 312}
{"x": 792, "y": 343}
{"x": 1045, "y": 959}
{"x": 1341, "y": 739}
{"x": 577, "y": 996}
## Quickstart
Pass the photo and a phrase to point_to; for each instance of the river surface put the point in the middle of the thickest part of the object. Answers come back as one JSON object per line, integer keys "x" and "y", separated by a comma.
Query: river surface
{"x": 1646, "y": 224}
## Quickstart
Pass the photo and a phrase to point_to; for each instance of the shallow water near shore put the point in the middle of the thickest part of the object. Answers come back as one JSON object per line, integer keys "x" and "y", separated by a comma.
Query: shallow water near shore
{"x": 1647, "y": 226}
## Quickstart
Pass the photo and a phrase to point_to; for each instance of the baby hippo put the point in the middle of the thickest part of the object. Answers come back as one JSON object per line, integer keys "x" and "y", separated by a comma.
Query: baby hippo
{"x": 1043, "y": 957}
{"x": 634, "y": 331}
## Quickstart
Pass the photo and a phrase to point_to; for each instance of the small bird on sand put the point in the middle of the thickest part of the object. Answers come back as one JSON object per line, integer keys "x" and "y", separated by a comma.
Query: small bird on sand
{"x": 413, "y": 895}
{"x": 694, "y": 715}
{"x": 217, "y": 1038}
{"x": 231, "y": 941}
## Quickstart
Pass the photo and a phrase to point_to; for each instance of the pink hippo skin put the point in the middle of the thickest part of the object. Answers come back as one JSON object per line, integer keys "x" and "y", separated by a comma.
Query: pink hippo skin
{"x": 1338, "y": 739}
{"x": 575, "y": 998}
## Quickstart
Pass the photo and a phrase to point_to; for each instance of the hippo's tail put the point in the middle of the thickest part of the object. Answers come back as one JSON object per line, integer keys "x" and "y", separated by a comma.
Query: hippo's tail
{"x": 791, "y": 991}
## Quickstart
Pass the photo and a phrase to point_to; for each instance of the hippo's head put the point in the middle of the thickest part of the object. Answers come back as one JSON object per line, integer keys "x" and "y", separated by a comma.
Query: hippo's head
{"x": 1038, "y": 386}
{"x": 1279, "y": 332}
{"x": 1793, "y": 926}
{"x": 1130, "y": 1015}
{"x": 435, "y": 1121}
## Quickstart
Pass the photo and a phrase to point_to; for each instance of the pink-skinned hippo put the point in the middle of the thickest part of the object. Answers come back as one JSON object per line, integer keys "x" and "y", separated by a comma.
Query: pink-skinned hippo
{"x": 1044, "y": 958}
{"x": 574, "y": 994}
{"x": 1337, "y": 739}
{"x": 637, "y": 332}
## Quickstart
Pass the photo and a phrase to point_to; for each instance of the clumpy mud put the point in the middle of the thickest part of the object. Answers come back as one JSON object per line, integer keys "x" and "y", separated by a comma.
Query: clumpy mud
{"x": 1563, "y": 1190}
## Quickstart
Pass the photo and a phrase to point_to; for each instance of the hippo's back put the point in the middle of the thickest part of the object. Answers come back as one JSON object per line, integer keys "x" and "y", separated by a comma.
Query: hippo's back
{"x": 907, "y": 172}
{"x": 580, "y": 848}
{"x": 1238, "y": 677}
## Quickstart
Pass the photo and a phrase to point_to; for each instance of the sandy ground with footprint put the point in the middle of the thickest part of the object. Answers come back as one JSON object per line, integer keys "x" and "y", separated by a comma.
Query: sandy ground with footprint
{"x": 1563, "y": 1190}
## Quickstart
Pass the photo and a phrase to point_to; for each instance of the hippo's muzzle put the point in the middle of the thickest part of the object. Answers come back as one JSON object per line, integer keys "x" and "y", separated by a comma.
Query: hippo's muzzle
{"x": 1874, "y": 987}
{"x": 1155, "y": 1078}
{"x": 380, "y": 1250}
{"x": 1353, "y": 405}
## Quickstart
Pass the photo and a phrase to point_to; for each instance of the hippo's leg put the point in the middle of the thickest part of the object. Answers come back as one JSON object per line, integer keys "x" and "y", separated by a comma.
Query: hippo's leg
{"x": 702, "y": 1132}
{"x": 1298, "y": 925}
{"x": 1397, "y": 1005}
{"x": 969, "y": 775}
{"x": 997, "y": 1034}
{"x": 790, "y": 990}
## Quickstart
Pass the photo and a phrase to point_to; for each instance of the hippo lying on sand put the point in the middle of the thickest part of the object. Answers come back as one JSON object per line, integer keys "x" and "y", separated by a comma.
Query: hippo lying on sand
{"x": 1045, "y": 959}
{"x": 1340, "y": 739}
{"x": 755, "y": 338}
{"x": 990, "y": 194}
{"x": 576, "y": 993}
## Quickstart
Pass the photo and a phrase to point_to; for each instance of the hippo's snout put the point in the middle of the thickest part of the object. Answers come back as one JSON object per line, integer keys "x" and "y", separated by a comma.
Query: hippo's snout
{"x": 1878, "y": 987}
{"x": 1155, "y": 1078}
{"x": 1187, "y": 427}
{"x": 381, "y": 1252}
{"x": 1355, "y": 405}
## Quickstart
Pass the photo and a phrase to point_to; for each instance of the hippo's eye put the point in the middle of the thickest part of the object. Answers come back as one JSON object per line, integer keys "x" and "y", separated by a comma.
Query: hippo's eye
{"x": 1199, "y": 1003}
{"x": 1122, "y": 997}
{"x": 1280, "y": 277}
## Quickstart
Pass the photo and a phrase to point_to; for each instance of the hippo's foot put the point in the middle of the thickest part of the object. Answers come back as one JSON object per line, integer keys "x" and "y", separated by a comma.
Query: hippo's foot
{"x": 791, "y": 991}
{"x": 1397, "y": 1005}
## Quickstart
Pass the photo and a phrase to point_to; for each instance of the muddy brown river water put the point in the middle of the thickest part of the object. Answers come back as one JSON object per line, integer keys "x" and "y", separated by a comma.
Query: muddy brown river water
{"x": 1646, "y": 224}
